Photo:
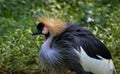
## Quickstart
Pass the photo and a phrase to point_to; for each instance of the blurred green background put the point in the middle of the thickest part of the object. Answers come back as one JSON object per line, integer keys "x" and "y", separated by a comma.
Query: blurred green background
{"x": 19, "y": 49}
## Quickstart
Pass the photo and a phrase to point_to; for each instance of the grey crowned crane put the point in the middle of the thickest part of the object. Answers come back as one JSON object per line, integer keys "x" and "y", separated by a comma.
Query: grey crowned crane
{"x": 69, "y": 47}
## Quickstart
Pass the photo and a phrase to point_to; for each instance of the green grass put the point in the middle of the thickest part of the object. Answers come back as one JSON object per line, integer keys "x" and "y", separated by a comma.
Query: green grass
{"x": 19, "y": 49}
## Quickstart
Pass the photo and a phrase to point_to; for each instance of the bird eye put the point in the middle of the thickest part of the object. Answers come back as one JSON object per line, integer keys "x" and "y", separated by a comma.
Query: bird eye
{"x": 40, "y": 26}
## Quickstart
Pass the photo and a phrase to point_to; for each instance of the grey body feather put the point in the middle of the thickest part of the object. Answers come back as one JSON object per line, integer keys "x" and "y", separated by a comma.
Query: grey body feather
{"x": 58, "y": 53}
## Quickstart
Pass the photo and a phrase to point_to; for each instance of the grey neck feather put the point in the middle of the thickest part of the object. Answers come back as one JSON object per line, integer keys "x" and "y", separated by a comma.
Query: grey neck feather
{"x": 50, "y": 58}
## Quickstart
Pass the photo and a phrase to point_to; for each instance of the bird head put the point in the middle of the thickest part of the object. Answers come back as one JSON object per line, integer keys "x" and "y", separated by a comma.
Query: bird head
{"x": 50, "y": 26}
{"x": 41, "y": 29}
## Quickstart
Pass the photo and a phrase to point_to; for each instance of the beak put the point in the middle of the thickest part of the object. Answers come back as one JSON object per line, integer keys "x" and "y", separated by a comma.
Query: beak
{"x": 37, "y": 33}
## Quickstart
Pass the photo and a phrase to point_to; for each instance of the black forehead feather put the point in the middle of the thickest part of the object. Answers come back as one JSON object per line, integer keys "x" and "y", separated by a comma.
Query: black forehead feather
{"x": 40, "y": 25}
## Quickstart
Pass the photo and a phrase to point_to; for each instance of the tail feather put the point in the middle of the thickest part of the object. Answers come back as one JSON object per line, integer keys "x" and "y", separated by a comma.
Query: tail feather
{"x": 114, "y": 71}
{"x": 112, "y": 67}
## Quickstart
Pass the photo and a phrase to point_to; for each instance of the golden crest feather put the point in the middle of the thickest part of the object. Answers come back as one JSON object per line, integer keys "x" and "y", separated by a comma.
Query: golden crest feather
{"x": 55, "y": 26}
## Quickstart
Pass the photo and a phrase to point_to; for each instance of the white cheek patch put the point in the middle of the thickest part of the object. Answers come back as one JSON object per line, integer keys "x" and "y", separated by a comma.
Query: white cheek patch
{"x": 45, "y": 30}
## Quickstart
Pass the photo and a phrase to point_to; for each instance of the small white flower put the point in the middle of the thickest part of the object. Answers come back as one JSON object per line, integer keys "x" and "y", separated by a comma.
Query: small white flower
{"x": 90, "y": 12}
{"x": 89, "y": 19}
